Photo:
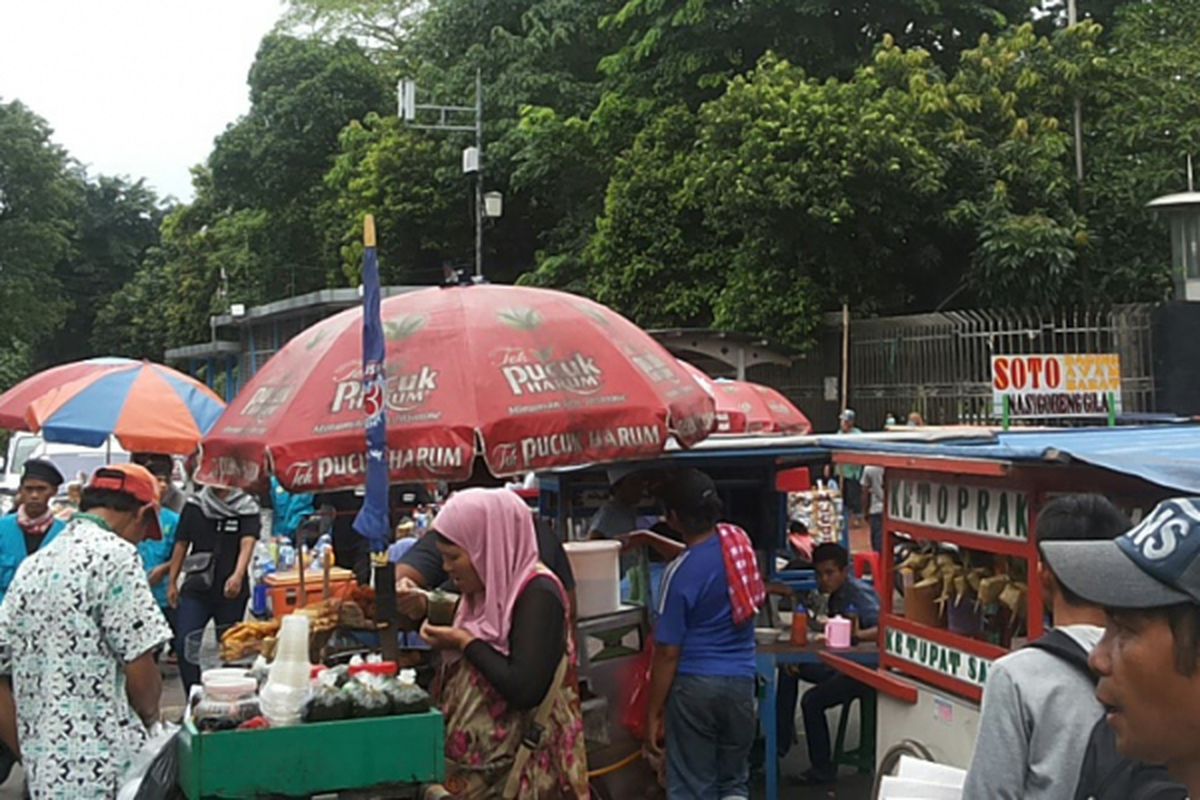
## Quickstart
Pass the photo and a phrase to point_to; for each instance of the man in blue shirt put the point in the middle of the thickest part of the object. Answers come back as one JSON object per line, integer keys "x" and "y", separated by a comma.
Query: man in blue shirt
{"x": 34, "y": 525}
{"x": 703, "y": 667}
{"x": 156, "y": 553}
{"x": 848, "y": 597}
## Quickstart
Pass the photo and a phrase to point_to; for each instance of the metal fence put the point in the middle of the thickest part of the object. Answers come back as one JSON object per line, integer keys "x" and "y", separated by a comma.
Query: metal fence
{"x": 939, "y": 364}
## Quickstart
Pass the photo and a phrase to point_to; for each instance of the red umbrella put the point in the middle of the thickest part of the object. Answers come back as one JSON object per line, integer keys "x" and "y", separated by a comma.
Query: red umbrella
{"x": 15, "y": 402}
{"x": 529, "y": 378}
{"x": 744, "y": 407}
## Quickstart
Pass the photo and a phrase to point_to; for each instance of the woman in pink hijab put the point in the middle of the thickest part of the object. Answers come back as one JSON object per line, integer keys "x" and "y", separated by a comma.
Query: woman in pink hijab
{"x": 508, "y": 662}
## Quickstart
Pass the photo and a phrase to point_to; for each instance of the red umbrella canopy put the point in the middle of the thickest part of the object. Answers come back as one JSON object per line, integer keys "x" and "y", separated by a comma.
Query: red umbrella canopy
{"x": 744, "y": 407}
{"x": 17, "y": 400}
{"x": 528, "y": 378}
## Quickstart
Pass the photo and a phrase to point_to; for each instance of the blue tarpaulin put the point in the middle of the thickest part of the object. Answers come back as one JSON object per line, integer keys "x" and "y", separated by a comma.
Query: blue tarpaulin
{"x": 1166, "y": 455}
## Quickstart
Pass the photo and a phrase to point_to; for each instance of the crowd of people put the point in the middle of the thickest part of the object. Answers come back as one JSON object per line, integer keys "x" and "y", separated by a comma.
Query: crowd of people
{"x": 1103, "y": 706}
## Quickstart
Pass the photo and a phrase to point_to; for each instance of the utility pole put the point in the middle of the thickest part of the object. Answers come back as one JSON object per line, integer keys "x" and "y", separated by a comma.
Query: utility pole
{"x": 1072, "y": 21}
{"x": 479, "y": 172}
{"x": 449, "y": 118}
{"x": 1085, "y": 278}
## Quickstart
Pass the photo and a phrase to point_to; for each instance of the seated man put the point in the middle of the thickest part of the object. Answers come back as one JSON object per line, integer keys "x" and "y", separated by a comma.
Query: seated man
{"x": 848, "y": 597}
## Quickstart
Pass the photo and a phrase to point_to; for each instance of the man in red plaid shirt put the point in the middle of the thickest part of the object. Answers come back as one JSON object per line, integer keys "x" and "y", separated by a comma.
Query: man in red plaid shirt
{"x": 702, "y": 678}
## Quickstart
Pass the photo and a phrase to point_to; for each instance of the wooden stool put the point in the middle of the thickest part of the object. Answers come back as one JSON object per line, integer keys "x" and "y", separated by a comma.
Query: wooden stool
{"x": 862, "y": 757}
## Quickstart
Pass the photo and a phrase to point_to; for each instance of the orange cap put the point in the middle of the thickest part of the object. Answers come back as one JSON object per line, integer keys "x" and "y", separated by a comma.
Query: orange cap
{"x": 135, "y": 481}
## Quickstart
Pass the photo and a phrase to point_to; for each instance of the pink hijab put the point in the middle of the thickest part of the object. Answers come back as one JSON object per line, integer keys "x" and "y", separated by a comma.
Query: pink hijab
{"x": 495, "y": 527}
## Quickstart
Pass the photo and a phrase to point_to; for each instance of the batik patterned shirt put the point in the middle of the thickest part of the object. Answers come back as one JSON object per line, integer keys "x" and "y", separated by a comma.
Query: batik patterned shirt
{"x": 77, "y": 612}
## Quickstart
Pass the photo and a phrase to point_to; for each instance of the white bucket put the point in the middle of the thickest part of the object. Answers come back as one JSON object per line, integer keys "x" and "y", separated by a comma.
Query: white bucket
{"x": 597, "y": 568}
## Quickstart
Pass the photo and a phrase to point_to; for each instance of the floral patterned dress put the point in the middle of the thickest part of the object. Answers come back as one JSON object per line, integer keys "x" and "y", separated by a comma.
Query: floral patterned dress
{"x": 483, "y": 735}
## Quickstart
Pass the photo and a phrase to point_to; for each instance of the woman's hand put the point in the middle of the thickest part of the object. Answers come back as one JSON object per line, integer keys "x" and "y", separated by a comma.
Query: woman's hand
{"x": 233, "y": 586}
{"x": 411, "y": 600}
{"x": 158, "y": 573}
{"x": 443, "y": 637}
{"x": 173, "y": 595}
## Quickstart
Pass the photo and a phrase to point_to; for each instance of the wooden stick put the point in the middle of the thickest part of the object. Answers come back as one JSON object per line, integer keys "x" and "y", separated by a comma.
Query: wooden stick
{"x": 302, "y": 600}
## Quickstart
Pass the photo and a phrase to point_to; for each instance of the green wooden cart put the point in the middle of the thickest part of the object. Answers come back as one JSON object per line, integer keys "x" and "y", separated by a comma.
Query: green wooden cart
{"x": 325, "y": 758}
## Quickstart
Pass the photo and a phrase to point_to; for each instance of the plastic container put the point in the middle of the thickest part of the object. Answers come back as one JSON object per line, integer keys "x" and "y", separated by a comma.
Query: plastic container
{"x": 226, "y": 702}
{"x": 597, "y": 568}
{"x": 289, "y": 682}
{"x": 284, "y": 588}
{"x": 837, "y": 632}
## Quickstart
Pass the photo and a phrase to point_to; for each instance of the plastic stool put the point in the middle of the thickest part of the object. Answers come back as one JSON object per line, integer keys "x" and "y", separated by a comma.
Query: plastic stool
{"x": 862, "y": 758}
{"x": 866, "y": 559}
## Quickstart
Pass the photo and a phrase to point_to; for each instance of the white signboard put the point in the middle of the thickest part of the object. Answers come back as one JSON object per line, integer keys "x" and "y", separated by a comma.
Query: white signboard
{"x": 948, "y": 661}
{"x": 1073, "y": 385}
{"x": 984, "y": 511}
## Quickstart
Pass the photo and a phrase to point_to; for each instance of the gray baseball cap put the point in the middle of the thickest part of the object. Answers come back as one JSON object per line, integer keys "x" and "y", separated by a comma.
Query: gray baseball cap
{"x": 1155, "y": 563}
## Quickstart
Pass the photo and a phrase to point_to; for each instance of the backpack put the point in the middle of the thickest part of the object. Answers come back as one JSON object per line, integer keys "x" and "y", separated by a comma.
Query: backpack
{"x": 1106, "y": 774}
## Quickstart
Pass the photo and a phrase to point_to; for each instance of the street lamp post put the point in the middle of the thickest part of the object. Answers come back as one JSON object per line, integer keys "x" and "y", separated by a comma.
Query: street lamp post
{"x": 449, "y": 119}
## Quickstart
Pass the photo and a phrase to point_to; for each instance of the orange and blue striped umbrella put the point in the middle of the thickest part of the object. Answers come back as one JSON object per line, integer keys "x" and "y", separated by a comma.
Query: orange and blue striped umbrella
{"x": 148, "y": 407}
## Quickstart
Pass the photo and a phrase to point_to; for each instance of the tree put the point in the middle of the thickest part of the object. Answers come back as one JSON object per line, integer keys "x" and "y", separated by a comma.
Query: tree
{"x": 39, "y": 194}
{"x": 412, "y": 183}
{"x": 116, "y": 224}
{"x": 385, "y": 25}
{"x": 687, "y": 49}
{"x": 271, "y": 163}
{"x": 1141, "y": 121}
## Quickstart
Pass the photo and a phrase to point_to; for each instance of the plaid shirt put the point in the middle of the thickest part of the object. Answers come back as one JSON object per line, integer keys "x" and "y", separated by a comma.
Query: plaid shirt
{"x": 746, "y": 590}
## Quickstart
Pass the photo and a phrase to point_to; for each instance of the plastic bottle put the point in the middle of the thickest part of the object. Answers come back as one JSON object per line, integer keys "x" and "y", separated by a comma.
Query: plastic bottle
{"x": 800, "y": 626}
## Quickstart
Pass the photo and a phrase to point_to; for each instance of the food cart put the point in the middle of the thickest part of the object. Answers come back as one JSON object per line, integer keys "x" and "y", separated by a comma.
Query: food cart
{"x": 972, "y": 504}
{"x": 754, "y": 475}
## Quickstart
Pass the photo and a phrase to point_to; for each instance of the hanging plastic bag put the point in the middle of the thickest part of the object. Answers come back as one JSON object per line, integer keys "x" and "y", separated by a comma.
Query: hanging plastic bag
{"x": 636, "y": 700}
{"x": 154, "y": 771}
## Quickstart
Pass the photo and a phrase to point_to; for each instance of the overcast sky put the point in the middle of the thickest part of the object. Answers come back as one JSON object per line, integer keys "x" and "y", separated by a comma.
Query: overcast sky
{"x": 133, "y": 87}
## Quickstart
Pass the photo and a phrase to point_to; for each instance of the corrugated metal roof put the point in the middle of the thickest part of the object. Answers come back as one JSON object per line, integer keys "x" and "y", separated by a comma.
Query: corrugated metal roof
{"x": 1167, "y": 455}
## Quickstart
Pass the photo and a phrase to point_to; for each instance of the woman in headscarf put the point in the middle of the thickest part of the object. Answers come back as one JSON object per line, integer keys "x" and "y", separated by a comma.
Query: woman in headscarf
{"x": 508, "y": 662}
{"x": 213, "y": 546}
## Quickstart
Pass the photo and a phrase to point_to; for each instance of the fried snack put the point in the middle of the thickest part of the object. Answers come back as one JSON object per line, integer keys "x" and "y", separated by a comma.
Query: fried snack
{"x": 246, "y": 639}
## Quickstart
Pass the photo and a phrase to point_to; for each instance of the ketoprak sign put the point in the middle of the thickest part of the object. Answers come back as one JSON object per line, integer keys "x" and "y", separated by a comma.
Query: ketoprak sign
{"x": 1056, "y": 385}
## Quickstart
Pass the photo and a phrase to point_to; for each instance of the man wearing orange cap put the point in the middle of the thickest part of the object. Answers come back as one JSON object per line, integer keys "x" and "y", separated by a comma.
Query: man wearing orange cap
{"x": 78, "y": 632}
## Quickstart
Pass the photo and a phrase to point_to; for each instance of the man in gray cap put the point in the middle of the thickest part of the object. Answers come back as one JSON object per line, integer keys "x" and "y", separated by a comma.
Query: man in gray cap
{"x": 1148, "y": 660}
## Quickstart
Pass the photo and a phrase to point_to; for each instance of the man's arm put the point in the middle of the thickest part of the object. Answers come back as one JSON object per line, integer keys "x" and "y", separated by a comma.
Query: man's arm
{"x": 664, "y": 547}
{"x": 1001, "y": 756}
{"x": 662, "y": 675}
{"x": 143, "y": 687}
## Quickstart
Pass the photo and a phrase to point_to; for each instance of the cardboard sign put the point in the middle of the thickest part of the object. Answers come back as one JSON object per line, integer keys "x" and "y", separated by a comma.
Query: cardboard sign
{"x": 1073, "y": 385}
{"x": 980, "y": 510}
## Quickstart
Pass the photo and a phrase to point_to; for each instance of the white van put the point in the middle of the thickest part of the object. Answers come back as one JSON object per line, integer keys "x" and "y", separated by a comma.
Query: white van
{"x": 72, "y": 461}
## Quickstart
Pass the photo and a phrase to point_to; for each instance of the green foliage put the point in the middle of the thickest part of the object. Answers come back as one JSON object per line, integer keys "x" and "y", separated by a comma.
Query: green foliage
{"x": 40, "y": 193}
{"x": 746, "y": 165}
{"x": 1141, "y": 120}
{"x": 411, "y": 183}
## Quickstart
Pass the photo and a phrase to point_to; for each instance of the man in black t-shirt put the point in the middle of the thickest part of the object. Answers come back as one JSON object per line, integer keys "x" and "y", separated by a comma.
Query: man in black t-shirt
{"x": 422, "y": 565}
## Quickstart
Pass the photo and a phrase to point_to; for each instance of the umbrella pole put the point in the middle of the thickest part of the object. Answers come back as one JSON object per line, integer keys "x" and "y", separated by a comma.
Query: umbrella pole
{"x": 108, "y": 451}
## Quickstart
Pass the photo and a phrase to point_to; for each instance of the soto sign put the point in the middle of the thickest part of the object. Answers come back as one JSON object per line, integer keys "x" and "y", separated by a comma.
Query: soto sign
{"x": 1072, "y": 385}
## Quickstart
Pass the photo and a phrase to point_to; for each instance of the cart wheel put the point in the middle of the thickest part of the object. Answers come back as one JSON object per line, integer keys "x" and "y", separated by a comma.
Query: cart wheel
{"x": 907, "y": 747}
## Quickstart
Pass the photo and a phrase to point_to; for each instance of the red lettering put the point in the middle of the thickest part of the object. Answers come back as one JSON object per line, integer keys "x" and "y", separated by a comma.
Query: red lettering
{"x": 1054, "y": 373}
{"x": 1035, "y": 371}
{"x": 1019, "y": 374}
{"x": 1000, "y": 374}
